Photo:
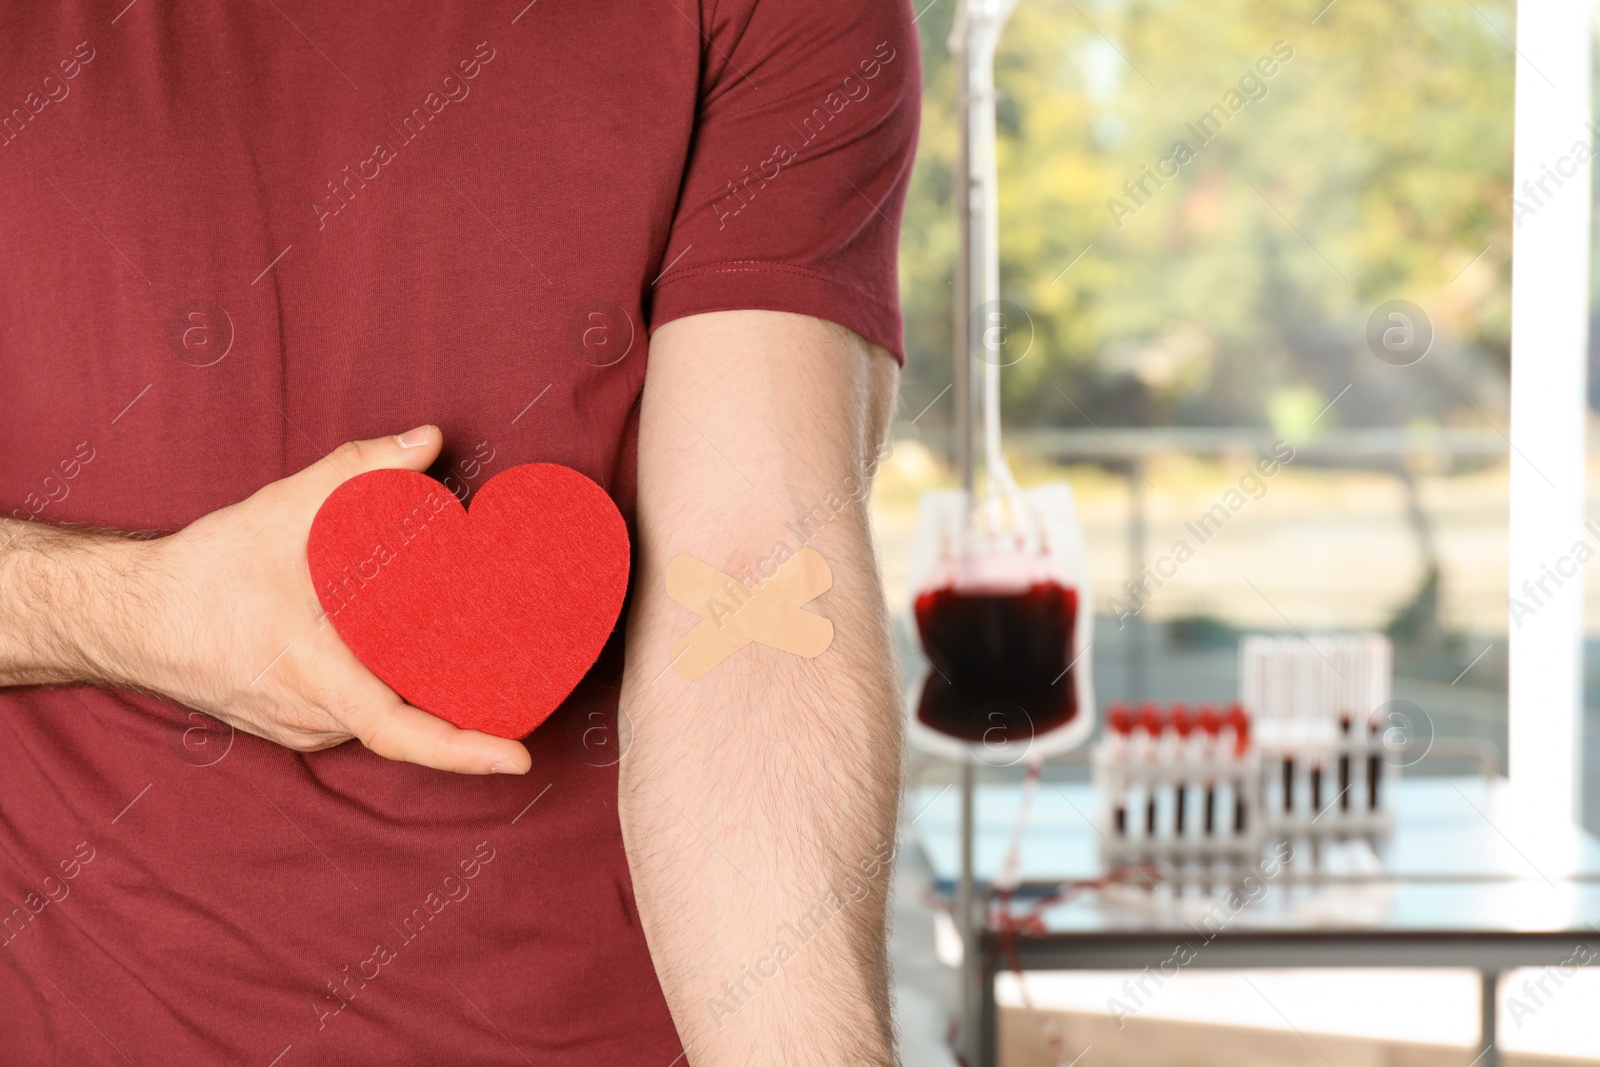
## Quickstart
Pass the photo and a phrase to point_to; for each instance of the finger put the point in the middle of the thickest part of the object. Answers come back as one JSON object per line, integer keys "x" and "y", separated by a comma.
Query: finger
{"x": 413, "y": 450}
{"x": 375, "y": 715}
{"x": 399, "y": 731}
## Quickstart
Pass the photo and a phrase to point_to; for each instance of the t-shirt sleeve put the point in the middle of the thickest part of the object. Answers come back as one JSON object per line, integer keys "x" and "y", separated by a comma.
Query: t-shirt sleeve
{"x": 797, "y": 174}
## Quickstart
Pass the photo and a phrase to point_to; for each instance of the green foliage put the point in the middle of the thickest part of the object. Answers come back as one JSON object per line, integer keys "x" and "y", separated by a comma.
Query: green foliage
{"x": 1375, "y": 164}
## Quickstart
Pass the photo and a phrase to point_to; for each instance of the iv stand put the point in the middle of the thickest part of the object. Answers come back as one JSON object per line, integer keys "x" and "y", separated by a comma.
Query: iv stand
{"x": 973, "y": 39}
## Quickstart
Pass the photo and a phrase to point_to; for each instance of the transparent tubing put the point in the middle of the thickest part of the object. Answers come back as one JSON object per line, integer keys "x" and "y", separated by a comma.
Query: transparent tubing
{"x": 975, "y": 36}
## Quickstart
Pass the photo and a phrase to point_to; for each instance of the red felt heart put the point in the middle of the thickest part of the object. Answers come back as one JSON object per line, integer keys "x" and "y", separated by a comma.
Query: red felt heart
{"x": 489, "y": 619}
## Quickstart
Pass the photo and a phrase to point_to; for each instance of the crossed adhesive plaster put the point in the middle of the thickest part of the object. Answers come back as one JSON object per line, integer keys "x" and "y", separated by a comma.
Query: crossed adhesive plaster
{"x": 734, "y": 615}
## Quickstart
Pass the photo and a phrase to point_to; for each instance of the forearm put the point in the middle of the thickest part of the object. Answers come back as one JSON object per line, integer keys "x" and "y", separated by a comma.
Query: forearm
{"x": 63, "y": 592}
{"x": 759, "y": 801}
{"x": 759, "y": 805}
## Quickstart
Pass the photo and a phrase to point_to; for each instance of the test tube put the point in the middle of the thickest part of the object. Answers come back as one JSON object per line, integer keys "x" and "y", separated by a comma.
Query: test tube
{"x": 1151, "y": 722}
{"x": 1182, "y": 726}
{"x": 1119, "y": 718}
{"x": 1374, "y": 764}
{"x": 1210, "y": 730}
{"x": 1344, "y": 761}
{"x": 1240, "y": 722}
{"x": 1249, "y": 668}
{"x": 1290, "y": 682}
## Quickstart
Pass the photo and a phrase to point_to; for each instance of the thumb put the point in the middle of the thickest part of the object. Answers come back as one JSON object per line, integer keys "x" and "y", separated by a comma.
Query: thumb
{"x": 413, "y": 450}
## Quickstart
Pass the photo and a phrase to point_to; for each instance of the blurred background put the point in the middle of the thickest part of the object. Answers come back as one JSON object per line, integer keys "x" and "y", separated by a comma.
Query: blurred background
{"x": 1181, "y": 327}
{"x": 1174, "y": 345}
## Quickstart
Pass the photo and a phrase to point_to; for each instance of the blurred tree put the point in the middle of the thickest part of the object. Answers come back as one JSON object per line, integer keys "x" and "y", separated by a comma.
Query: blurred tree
{"x": 1325, "y": 167}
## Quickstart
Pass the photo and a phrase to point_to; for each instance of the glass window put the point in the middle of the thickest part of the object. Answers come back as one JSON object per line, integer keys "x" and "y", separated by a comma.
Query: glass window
{"x": 1235, "y": 233}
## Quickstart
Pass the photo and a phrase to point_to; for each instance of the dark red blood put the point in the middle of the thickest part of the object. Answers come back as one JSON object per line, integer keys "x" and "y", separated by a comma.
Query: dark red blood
{"x": 1000, "y": 662}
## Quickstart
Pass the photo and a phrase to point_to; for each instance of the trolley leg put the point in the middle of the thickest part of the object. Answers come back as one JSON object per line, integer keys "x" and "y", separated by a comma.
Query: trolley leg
{"x": 970, "y": 1040}
{"x": 1490, "y": 1056}
{"x": 988, "y": 1020}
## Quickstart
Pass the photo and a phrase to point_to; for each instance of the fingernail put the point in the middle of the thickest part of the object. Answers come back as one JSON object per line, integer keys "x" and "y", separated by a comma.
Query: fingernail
{"x": 413, "y": 438}
{"x": 505, "y": 768}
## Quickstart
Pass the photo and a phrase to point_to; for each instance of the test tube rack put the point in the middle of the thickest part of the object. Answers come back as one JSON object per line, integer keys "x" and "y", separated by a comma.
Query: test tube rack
{"x": 1317, "y": 704}
{"x": 1299, "y": 758}
{"x": 1178, "y": 788}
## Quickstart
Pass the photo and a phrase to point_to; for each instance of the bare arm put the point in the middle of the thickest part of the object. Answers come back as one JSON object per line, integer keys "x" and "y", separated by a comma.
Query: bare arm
{"x": 758, "y": 802}
{"x": 54, "y": 586}
{"x": 222, "y": 617}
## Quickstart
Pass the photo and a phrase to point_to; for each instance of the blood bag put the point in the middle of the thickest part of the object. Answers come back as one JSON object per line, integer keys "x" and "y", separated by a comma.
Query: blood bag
{"x": 1003, "y": 611}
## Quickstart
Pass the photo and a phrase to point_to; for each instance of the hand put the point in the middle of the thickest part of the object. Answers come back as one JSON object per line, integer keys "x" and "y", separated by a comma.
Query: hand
{"x": 231, "y": 626}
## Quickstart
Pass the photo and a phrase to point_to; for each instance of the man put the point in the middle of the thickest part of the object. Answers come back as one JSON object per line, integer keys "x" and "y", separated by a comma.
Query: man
{"x": 652, "y": 241}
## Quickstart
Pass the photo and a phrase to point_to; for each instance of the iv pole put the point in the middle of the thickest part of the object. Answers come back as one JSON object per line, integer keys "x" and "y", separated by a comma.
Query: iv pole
{"x": 973, "y": 39}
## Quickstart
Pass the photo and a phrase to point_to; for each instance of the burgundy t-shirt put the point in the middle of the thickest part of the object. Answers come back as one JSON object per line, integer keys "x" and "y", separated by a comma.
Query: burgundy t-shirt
{"x": 233, "y": 235}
